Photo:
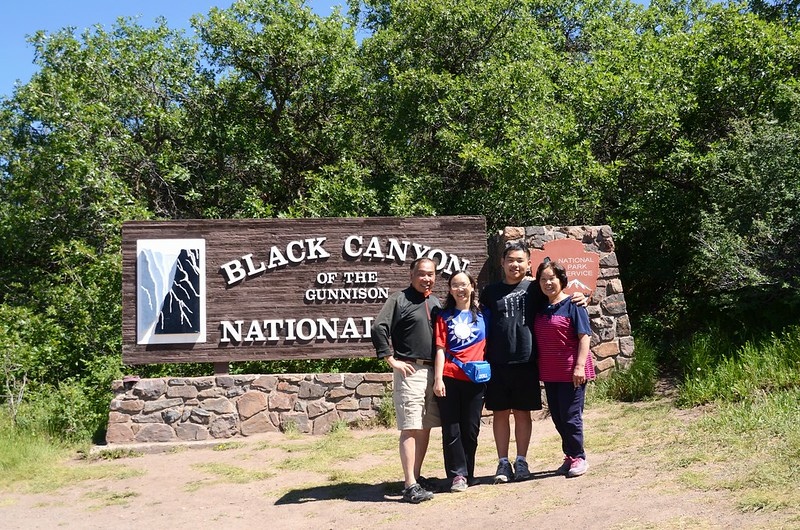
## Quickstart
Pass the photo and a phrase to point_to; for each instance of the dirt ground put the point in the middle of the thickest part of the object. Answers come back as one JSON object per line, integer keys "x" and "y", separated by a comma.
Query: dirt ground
{"x": 179, "y": 489}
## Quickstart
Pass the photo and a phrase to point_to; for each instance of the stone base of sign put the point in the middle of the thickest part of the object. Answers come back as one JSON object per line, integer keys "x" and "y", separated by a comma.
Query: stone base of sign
{"x": 171, "y": 409}
{"x": 198, "y": 409}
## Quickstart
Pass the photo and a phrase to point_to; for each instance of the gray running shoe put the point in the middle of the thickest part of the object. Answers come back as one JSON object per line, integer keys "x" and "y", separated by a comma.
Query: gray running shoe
{"x": 459, "y": 484}
{"x": 521, "y": 471}
{"x": 415, "y": 494}
{"x": 503, "y": 473}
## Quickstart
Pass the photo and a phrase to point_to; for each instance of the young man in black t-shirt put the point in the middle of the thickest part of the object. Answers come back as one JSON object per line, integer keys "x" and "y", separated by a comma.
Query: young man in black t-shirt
{"x": 514, "y": 387}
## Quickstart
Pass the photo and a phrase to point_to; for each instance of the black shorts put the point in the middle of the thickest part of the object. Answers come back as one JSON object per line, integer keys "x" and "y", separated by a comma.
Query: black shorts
{"x": 514, "y": 386}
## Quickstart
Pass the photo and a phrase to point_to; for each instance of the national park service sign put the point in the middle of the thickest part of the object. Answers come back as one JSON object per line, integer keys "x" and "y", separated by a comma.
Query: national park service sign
{"x": 582, "y": 267}
{"x": 266, "y": 289}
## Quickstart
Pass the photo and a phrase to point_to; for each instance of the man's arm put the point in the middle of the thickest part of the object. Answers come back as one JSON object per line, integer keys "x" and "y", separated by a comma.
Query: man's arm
{"x": 580, "y": 299}
{"x": 382, "y": 328}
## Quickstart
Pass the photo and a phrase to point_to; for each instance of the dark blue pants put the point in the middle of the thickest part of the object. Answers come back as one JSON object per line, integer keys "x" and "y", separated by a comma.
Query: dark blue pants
{"x": 460, "y": 411}
{"x": 565, "y": 402}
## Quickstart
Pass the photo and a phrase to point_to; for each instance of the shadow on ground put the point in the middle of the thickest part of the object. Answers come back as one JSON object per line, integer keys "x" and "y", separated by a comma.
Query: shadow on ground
{"x": 347, "y": 491}
{"x": 382, "y": 492}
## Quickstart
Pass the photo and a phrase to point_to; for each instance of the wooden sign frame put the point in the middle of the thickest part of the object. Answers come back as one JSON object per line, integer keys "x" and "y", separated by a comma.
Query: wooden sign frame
{"x": 269, "y": 289}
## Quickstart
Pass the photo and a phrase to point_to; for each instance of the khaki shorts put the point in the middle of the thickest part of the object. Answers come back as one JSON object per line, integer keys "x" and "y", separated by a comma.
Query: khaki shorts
{"x": 414, "y": 403}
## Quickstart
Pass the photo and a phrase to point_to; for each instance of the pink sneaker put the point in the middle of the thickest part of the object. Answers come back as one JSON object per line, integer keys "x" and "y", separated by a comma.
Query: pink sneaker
{"x": 459, "y": 484}
{"x": 577, "y": 467}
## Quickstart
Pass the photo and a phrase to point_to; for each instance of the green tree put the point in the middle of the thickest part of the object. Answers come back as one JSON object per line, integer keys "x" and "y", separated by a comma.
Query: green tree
{"x": 675, "y": 123}
{"x": 97, "y": 137}
{"x": 282, "y": 110}
{"x": 468, "y": 104}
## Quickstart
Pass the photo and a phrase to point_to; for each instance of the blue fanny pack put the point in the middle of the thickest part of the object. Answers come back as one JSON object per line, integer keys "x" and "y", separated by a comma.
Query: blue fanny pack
{"x": 477, "y": 371}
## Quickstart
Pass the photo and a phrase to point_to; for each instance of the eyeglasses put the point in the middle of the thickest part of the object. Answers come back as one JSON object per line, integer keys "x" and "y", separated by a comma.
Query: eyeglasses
{"x": 460, "y": 285}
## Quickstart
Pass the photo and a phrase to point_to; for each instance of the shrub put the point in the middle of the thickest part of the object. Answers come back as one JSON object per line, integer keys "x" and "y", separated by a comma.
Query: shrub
{"x": 638, "y": 381}
{"x": 26, "y": 351}
{"x": 755, "y": 368}
{"x": 386, "y": 415}
{"x": 65, "y": 412}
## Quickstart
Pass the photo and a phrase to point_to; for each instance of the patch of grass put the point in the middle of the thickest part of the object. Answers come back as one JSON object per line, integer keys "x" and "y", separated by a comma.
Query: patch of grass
{"x": 112, "y": 454}
{"x": 35, "y": 463}
{"x": 323, "y": 455}
{"x": 227, "y": 446}
{"x": 748, "y": 447}
{"x": 686, "y": 459}
{"x": 111, "y": 498}
{"x": 25, "y": 455}
{"x": 60, "y": 475}
{"x": 386, "y": 413}
{"x": 264, "y": 445}
{"x": 302, "y": 458}
{"x": 651, "y": 422}
{"x": 754, "y": 369}
{"x": 233, "y": 474}
{"x": 757, "y": 501}
{"x": 320, "y": 453}
{"x": 636, "y": 383}
{"x": 382, "y": 473}
{"x": 290, "y": 428}
{"x": 339, "y": 426}
{"x": 696, "y": 480}
{"x": 548, "y": 454}
{"x": 195, "y": 485}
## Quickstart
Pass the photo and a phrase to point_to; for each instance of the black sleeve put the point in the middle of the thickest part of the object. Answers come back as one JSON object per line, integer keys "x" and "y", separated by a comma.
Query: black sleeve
{"x": 382, "y": 328}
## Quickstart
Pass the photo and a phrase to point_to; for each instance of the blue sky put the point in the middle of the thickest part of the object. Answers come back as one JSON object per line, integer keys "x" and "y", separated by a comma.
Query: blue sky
{"x": 21, "y": 18}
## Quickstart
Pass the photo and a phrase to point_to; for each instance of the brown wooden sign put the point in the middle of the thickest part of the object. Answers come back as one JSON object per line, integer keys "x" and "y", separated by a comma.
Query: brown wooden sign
{"x": 266, "y": 289}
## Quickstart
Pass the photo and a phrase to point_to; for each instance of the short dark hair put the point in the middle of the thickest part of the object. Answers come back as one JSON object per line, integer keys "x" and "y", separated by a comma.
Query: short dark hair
{"x": 514, "y": 246}
{"x": 558, "y": 271}
{"x": 420, "y": 260}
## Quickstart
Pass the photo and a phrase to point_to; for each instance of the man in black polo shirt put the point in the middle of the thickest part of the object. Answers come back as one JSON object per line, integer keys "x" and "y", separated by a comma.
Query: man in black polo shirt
{"x": 403, "y": 335}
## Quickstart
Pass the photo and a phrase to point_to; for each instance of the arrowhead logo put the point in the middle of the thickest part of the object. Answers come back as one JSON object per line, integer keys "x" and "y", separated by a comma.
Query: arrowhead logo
{"x": 582, "y": 267}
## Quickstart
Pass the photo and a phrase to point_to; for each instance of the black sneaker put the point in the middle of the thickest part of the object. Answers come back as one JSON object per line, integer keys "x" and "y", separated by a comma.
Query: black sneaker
{"x": 503, "y": 473}
{"x": 415, "y": 494}
{"x": 521, "y": 471}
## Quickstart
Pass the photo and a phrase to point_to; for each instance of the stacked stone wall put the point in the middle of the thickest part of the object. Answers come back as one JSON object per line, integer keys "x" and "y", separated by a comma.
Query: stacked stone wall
{"x": 218, "y": 407}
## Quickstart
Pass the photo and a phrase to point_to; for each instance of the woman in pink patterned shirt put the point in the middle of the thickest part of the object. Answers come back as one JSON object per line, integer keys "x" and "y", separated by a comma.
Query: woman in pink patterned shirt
{"x": 562, "y": 336}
